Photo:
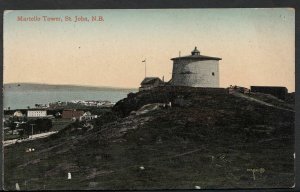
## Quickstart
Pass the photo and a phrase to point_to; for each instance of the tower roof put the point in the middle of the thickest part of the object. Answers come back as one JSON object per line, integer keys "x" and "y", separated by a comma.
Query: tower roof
{"x": 195, "y": 51}
{"x": 195, "y": 55}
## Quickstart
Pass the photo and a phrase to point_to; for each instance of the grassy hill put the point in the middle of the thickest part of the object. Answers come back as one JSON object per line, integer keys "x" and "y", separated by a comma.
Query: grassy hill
{"x": 208, "y": 138}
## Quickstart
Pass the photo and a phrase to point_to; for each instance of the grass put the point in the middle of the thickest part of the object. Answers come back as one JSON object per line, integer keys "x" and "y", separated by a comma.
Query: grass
{"x": 211, "y": 145}
{"x": 59, "y": 124}
{"x": 8, "y": 136}
{"x": 164, "y": 169}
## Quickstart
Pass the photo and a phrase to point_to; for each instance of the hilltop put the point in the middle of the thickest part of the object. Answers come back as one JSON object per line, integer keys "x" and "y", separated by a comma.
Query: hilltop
{"x": 207, "y": 138}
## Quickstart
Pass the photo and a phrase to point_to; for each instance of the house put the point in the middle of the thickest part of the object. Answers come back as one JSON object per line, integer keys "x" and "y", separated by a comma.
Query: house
{"x": 279, "y": 92}
{"x": 57, "y": 115}
{"x": 91, "y": 103}
{"x": 150, "y": 82}
{"x": 36, "y": 113}
{"x": 195, "y": 70}
{"x": 87, "y": 116}
{"x": 18, "y": 114}
{"x": 87, "y": 113}
{"x": 105, "y": 104}
{"x": 41, "y": 105}
{"x": 71, "y": 114}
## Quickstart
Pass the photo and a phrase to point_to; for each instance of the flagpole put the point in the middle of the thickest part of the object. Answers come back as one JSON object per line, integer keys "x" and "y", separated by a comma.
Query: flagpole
{"x": 145, "y": 68}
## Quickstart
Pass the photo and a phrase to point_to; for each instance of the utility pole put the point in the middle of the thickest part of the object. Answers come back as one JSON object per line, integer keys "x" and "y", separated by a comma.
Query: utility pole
{"x": 32, "y": 130}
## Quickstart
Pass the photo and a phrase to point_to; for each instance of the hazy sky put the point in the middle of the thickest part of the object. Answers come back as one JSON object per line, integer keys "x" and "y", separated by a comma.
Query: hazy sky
{"x": 257, "y": 46}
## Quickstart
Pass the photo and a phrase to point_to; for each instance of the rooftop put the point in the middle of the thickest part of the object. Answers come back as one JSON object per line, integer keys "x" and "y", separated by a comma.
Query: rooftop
{"x": 195, "y": 55}
{"x": 150, "y": 80}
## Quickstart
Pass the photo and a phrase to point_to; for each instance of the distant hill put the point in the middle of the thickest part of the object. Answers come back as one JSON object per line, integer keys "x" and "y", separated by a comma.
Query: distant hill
{"x": 48, "y": 87}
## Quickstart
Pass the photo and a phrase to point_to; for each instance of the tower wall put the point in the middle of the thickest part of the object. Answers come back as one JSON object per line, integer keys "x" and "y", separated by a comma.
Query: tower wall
{"x": 192, "y": 73}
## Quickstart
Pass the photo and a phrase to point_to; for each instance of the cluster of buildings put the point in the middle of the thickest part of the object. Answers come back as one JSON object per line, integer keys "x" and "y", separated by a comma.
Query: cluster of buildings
{"x": 20, "y": 120}
{"x": 80, "y": 115}
{"x": 81, "y": 103}
{"x": 93, "y": 103}
{"x": 71, "y": 114}
{"x": 16, "y": 121}
{"x": 198, "y": 70}
{"x": 22, "y": 115}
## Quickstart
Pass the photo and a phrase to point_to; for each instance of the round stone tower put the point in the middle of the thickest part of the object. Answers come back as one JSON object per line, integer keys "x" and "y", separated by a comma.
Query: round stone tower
{"x": 195, "y": 70}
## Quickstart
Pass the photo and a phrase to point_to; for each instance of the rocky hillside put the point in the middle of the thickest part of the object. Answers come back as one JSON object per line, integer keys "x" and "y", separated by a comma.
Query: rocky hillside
{"x": 202, "y": 138}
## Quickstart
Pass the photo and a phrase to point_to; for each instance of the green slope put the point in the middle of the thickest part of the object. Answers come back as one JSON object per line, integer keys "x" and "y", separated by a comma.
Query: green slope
{"x": 210, "y": 140}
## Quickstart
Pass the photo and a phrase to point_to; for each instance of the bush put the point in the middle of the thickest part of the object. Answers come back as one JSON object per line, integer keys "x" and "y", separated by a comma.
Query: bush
{"x": 107, "y": 117}
{"x": 39, "y": 125}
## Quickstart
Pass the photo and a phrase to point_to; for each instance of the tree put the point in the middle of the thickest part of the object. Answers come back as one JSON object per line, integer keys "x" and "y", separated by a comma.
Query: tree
{"x": 40, "y": 125}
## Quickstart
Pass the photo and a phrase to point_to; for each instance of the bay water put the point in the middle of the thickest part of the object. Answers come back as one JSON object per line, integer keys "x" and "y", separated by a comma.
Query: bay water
{"x": 21, "y": 99}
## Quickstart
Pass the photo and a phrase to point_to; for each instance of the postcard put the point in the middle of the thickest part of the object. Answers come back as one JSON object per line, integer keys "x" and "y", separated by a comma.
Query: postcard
{"x": 143, "y": 99}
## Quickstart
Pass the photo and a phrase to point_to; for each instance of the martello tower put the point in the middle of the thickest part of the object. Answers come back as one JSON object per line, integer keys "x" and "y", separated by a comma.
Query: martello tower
{"x": 195, "y": 70}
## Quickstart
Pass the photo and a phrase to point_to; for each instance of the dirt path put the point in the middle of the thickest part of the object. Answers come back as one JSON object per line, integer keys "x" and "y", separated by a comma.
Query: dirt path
{"x": 260, "y": 101}
{"x": 33, "y": 137}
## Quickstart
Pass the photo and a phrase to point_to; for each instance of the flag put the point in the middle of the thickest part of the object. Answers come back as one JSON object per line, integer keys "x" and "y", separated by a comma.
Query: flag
{"x": 144, "y": 60}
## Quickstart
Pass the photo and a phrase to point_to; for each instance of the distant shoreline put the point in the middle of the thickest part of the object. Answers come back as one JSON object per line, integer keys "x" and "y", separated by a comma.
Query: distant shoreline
{"x": 22, "y": 95}
{"x": 48, "y": 87}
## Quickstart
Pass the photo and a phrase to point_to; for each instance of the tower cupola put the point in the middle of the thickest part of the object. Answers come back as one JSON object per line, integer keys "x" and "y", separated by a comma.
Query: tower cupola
{"x": 195, "y": 51}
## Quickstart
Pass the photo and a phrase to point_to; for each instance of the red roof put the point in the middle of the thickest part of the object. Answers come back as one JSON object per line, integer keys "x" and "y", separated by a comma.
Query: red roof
{"x": 68, "y": 114}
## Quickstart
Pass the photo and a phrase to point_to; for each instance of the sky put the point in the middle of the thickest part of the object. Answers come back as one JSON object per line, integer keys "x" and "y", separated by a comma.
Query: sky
{"x": 257, "y": 46}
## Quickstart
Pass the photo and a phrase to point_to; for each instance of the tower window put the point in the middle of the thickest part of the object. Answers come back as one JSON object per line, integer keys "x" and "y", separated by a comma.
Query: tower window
{"x": 213, "y": 73}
